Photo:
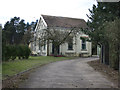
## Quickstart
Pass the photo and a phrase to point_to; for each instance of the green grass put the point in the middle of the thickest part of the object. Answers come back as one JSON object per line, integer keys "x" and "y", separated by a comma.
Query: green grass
{"x": 14, "y": 67}
{"x": 0, "y": 71}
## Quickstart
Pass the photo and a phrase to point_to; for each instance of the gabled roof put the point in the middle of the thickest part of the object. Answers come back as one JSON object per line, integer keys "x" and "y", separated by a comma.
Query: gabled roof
{"x": 65, "y": 22}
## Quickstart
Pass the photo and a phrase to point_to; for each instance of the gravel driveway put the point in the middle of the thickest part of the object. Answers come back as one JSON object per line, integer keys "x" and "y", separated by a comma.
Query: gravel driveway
{"x": 67, "y": 74}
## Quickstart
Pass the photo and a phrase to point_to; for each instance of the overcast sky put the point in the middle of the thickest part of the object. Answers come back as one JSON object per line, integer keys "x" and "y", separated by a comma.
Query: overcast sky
{"x": 30, "y": 10}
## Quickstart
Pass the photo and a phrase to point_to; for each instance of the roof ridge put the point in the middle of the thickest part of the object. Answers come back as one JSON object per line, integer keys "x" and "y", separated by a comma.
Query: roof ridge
{"x": 63, "y": 17}
{"x": 63, "y": 21}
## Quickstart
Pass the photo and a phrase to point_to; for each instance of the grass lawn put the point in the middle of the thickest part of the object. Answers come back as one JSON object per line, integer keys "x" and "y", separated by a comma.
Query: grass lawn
{"x": 14, "y": 67}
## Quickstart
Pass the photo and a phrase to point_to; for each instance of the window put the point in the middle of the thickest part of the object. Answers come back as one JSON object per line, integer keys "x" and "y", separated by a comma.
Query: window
{"x": 35, "y": 41}
{"x": 83, "y": 44}
{"x": 70, "y": 44}
{"x": 39, "y": 44}
{"x": 44, "y": 47}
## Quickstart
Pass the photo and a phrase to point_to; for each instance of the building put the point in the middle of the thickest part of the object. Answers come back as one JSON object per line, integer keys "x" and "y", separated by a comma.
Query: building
{"x": 81, "y": 47}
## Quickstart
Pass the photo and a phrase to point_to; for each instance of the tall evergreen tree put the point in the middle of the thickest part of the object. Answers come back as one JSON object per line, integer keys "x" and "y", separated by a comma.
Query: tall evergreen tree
{"x": 103, "y": 12}
{"x": 13, "y": 31}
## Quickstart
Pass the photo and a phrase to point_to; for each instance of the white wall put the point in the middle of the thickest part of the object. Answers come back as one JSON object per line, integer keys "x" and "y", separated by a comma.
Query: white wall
{"x": 76, "y": 47}
{"x": 41, "y": 25}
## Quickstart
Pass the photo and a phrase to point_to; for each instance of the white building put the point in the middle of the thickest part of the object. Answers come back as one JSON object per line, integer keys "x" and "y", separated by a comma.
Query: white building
{"x": 81, "y": 47}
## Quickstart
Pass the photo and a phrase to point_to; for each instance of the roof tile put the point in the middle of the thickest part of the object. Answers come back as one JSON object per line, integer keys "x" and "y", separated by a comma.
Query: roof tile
{"x": 65, "y": 22}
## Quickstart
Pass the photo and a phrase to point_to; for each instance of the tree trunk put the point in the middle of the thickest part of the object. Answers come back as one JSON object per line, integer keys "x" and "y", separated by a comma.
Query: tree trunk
{"x": 107, "y": 54}
{"x": 55, "y": 51}
{"x": 119, "y": 58}
{"x": 101, "y": 54}
{"x": 119, "y": 64}
{"x": 48, "y": 48}
{"x": 94, "y": 49}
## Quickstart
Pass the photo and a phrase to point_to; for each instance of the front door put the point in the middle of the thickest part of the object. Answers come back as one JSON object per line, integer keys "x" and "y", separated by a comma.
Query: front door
{"x": 58, "y": 50}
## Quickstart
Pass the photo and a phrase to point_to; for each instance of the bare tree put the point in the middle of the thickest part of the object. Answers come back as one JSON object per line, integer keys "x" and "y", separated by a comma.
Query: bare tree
{"x": 58, "y": 36}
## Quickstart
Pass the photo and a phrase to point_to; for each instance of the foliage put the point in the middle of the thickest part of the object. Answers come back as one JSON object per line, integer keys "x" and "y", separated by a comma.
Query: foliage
{"x": 16, "y": 31}
{"x": 13, "y": 52}
{"x": 6, "y": 53}
{"x": 104, "y": 30}
{"x": 26, "y": 52}
{"x": 103, "y": 12}
{"x": 57, "y": 37}
{"x": 112, "y": 34}
{"x": 13, "y": 30}
{"x": 27, "y": 37}
{"x": 20, "y": 52}
{"x": 23, "y": 51}
{"x": 10, "y": 52}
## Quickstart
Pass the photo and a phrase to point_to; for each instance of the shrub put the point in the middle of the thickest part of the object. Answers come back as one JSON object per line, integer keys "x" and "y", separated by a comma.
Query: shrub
{"x": 23, "y": 51}
{"x": 12, "y": 51}
{"x": 112, "y": 34}
{"x": 27, "y": 52}
{"x": 6, "y": 52}
{"x": 19, "y": 51}
{"x": 3, "y": 52}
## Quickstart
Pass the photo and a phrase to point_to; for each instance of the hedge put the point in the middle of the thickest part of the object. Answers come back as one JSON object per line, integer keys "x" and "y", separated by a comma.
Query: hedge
{"x": 10, "y": 52}
{"x": 113, "y": 36}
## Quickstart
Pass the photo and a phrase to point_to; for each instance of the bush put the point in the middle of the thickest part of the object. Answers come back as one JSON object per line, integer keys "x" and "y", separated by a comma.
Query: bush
{"x": 13, "y": 51}
{"x": 5, "y": 53}
{"x": 27, "y": 52}
{"x": 23, "y": 51}
{"x": 112, "y": 34}
{"x": 20, "y": 51}
{"x": 10, "y": 52}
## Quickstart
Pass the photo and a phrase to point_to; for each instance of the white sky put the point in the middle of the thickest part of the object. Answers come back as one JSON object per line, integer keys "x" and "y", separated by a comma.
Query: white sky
{"x": 30, "y": 10}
